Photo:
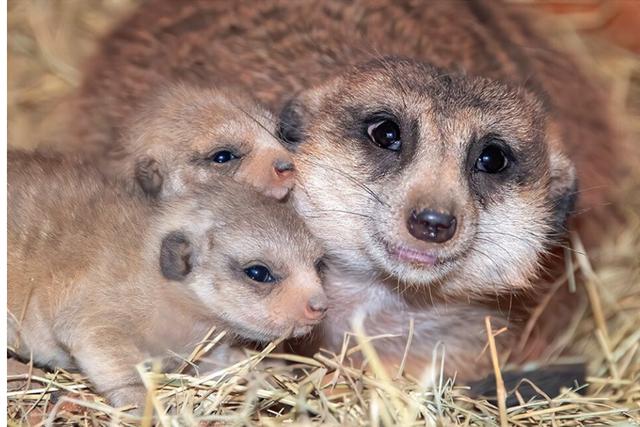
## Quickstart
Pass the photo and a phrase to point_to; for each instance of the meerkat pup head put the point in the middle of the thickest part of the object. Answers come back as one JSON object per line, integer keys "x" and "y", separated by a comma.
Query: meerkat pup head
{"x": 186, "y": 135}
{"x": 248, "y": 260}
{"x": 430, "y": 178}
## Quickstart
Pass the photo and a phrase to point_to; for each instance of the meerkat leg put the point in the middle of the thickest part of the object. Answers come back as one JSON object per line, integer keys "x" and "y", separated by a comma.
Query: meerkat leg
{"x": 108, "y": 358}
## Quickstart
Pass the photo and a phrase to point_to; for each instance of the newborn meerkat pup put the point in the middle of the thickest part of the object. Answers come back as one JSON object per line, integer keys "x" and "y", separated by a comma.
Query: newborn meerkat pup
{"x": 186, "y": 135}
{"x": 99, "y": 280}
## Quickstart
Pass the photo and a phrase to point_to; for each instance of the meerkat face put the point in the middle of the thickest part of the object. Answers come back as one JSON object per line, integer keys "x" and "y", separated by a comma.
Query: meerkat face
{"x": 427, "y": 177}
{"x": 190, "y": 135}
{"x": 255, "y": 268}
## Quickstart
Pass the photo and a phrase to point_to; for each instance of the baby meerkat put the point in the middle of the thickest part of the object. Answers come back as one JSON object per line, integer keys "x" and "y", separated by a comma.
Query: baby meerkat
{"x": 185, "y": 135}
{"x": 99, "y": 280}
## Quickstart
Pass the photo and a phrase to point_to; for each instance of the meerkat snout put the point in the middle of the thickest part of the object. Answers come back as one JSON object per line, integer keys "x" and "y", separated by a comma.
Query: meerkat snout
{"x": 301, "y": 302}
{"x": 316, "y": 307}
{"x": 279, "y": 180}
{"x": 431, "y": 183}
{"x": 431, "y": 225}
{"x": 283, "y": 169}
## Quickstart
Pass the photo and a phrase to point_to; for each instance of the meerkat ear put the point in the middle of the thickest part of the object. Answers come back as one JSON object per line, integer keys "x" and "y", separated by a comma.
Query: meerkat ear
{"x": 294, "y": 115}
{"x": 147, "y": 174}
{"x": 176, "y": 256}
{"x": 564, "y": 190}
{"x": 291, "y": 122}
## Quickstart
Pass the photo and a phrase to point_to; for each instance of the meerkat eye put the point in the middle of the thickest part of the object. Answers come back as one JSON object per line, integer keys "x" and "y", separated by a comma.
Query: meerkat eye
{"x": 222, "y": 156}
{"x": 492, "y": 160}
{"x": 386, "y": 134}
{"x": 259, "y": 273}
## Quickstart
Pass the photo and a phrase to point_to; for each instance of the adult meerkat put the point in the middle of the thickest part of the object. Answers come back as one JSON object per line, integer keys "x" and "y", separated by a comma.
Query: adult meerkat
{"x": 451, "y": 195}
{"x": 420, "y": 183}
{"x": 99, "y": 280}
{"x": 184, "y": 135}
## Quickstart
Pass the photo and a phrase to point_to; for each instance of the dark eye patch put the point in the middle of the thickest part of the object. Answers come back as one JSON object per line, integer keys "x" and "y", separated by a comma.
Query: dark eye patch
{"x": 291, "y": 124}
{"x": 396, "y": 146}
{"x": 492, "y": 159}
{"x": 359, "y": 125}
{"x": 385, "y": 133}
{"x": 491, "y": 163}
{"x": 490, "y": 153}
{"x": 348, "y": 128}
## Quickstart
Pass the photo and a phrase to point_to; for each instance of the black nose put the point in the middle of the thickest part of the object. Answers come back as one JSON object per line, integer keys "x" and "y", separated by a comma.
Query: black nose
{"x": 431, "y": 226}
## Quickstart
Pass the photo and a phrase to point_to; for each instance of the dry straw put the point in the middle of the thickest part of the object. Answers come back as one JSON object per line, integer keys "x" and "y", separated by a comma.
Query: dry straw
{"x": 47, "y": 41}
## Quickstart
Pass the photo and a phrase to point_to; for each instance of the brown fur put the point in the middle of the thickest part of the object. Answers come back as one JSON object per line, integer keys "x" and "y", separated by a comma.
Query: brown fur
{"x": 101, "y": 280}
{"x": 355, "y": 196}
{"x": 277, "y": 48}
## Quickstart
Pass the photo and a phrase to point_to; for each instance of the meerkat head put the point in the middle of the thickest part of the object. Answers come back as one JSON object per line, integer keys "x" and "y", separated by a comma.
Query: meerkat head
{"x": 249, "y": 260}
{"x": 189, "y": 135}
{"x": 428, "y": 177}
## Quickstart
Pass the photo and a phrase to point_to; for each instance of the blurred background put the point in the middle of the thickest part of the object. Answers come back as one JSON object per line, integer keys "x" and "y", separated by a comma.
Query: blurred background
{"x": 48, "y": 41}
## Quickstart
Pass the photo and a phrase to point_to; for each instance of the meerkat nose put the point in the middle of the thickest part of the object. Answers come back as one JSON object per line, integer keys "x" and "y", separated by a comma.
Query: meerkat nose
{"x": 283, "y": 168}
{"x": 316, "y": 307}
{"x": 431, "y": 226}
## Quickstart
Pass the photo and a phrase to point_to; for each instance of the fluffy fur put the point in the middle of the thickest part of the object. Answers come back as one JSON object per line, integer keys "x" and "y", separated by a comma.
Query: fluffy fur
{"x": 167, "y": 146}
{"x": 101, "y": 280}
{"x": 313, "y": 62}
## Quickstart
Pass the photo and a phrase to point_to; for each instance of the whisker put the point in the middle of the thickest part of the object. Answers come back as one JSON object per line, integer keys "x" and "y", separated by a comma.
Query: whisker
{"x": 256, "y": 121}
{"x": 360, "y": 214}
{"x": 497, "y": 269}
{"x": 346, "y": 212}
{"x": 352, "y": 179}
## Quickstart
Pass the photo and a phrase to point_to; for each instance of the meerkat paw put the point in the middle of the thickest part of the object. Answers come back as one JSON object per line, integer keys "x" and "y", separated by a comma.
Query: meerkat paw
{"x": 127, "y": 396}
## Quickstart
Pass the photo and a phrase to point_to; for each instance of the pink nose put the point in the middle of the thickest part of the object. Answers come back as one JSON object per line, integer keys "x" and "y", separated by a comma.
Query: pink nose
{"x": 316, "y": 307}
{"x": 283, "y": 169}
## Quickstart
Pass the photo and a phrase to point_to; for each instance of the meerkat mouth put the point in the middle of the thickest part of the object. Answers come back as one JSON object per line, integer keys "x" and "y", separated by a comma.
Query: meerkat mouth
{"x": 412, "y": 256}
{"x": 302, "y": 330}
{"x": 415, "y": 257}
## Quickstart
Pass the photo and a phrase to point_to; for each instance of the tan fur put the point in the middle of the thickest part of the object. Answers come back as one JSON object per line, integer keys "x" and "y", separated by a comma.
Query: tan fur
{"x": 87, "y": 286}
{"x": 320, "y": 54}
{"x": 181, "y": 126}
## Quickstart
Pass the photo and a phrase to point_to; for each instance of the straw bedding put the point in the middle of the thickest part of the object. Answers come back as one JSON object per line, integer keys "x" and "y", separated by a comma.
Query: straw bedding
{"x": 47, "y": 42}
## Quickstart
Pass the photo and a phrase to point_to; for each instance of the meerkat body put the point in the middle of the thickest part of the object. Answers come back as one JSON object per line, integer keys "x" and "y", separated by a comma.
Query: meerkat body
{"x": 100, "y": 280}
{"x": 438, "y": 224}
